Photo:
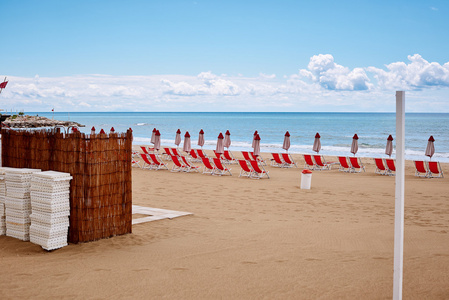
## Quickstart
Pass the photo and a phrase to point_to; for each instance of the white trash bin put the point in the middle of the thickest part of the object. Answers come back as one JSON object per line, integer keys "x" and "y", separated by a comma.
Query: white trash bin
{"x": 306, "y": 179}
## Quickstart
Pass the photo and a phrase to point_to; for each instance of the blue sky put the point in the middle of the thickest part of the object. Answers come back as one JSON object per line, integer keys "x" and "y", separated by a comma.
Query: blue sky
{"x": 251, "y": 55}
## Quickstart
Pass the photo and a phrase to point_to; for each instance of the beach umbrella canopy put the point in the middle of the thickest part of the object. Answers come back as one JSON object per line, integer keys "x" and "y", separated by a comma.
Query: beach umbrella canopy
{"x": 187, "y": 147}
{"x": 286, "y": 144}
{"x": 201, "y": 138}
{"x": 355, "y": 144}
{"x": 227, "y": 139}
{"x": 153, "y": 136}
{"x": 430, "y": 150}
{"x": 178, "y": 138}
{"x": 157, "y": 140}
{"x": 317, "y": 143}
{"x": 220, "y": 145}
{"x": 257, "y": 145}
{"x": 389, "y": 148}
{"x": 254, "y": 138}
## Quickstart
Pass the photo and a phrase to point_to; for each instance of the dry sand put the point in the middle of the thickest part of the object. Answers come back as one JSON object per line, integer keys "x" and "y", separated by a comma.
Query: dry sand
{"x": 252, "y": 239}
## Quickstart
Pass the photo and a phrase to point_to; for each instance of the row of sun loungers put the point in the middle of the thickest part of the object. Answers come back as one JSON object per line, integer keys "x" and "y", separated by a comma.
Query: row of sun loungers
{"x": 252, "y": 166}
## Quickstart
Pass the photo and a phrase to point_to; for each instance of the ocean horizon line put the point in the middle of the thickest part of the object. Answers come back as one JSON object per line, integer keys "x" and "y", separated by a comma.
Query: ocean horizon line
{"x": 238, "y": 112}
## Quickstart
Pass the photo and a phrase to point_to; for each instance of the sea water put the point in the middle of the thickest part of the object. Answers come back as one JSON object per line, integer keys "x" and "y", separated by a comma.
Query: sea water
{"x": 336, "y": 129}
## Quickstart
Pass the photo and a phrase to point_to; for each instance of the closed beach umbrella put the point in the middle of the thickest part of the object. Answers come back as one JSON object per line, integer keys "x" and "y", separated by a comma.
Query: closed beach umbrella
{"x": 178, "y": 138}
{"x": 286, "y": 144}
{"x": 227, "y": 139}
{"x": 201, "y": 138}
{"x": 157, "y": 140}
{"x": 317, "y": 143}
{"x": 355, "y": 144}
{"x": 430, "y": 150}
{"x": 389, "y": 148}
{"x": 187, "y": 147}
{"x": 257, "y": 145}
{"x": 254, "y": 138}
{"x": 153, "y": 136}
{"x": 220, "y": 146}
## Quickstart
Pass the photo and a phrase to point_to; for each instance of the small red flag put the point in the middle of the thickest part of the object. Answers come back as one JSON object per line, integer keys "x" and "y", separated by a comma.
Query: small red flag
{"x": 3, "y": 84}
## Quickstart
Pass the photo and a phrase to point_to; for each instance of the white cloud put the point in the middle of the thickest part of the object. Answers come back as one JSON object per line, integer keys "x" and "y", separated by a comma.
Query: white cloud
{"x": 419, "y": 73}
{"x": 323, "y": 70}
{"x": 323, "y": 86}
{"x": 266, "y": 76}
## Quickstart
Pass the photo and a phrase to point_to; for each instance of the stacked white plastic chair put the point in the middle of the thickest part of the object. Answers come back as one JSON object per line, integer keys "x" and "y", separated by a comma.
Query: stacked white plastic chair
{"x": 18, "y": 202}
{"x": 50, "y": 209}
{"x": 2, "y": 202}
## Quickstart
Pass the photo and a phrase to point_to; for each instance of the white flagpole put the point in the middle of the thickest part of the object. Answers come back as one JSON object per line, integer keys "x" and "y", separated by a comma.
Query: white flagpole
{"x": 399, "y": 198}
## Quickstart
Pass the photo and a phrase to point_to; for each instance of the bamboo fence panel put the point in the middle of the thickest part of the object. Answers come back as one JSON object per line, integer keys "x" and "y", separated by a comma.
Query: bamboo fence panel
{"x": 100, "y": 164}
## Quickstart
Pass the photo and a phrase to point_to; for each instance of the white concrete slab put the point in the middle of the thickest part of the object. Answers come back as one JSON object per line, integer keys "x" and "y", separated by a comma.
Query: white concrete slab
{"x": 155, "y": 214}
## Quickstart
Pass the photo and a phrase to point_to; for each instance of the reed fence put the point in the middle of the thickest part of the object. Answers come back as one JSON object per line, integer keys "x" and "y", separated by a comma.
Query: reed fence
{"x": 100, "y": 164}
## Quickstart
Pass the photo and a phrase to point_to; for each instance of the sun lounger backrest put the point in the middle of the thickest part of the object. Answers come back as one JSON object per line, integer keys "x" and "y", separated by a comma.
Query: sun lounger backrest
{"x": 167, "y": 151}
{"x": 144, "y": 149}
{"x": 318, "y": 160}
{"x": 193, "y": 154}
{"x": 343, "y": 161}
{"x": 354, "y": 162}
{"x": 185, "y": 161}
{"x": 176, "y": 161}
{"x": 244, "y": 165}
{"x": 218, "y": 163}
{"x": 308, "y": 159}
{"x": 246, "y": 155}
{"x": 435, "y": 169}
{"x": 218, "y": 155}
{"x": 227, "y": 155}
{"x": 207, "y": 163}
{"x": 255, "y": 166}
{"x": 145, "y": 159}
{"x": 390, "y": 164}
{"x": 201, "y": 153}
{"x": 379, "y": 164}
{"x": 286, "y": 158}
{"x": 277, "y": 158}
{"x": 420, "y": 166}
{"x": 154, "y": 159}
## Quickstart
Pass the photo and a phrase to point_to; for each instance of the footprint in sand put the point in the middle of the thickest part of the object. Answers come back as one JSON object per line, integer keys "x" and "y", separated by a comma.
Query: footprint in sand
{"x": 248, "y": 263}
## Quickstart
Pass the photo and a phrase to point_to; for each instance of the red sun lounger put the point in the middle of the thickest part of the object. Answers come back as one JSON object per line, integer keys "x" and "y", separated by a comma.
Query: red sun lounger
{"x": 208, "y": 168}
{"x": 147, "y": 164}
{"x": 320, "y": 163}
{"x": 277, "y": 161}
{"x": 189, "y": 166}
{"x": 356, "y": 164}
{"x": 246, "y": 171}
{"x": 344, "y": 166}
{"x": 259, "y": 170}
{"x": 220, "y": 168}
{"x": 391, "y": 167}
{"x": 435, "y": 170}
{"x": 421, "y": 169}
{"x": 308, "y": 162}
{"x": 229, "y": 158}
{"x": 177, "y": 165}
{"x": 288, "y": 159}
{"x": 157, "y": 163}
{"x": 380, "y": 166}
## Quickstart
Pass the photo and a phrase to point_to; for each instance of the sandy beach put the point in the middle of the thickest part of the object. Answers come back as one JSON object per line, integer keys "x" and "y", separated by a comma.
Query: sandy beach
{"x": 252, "y": 239}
